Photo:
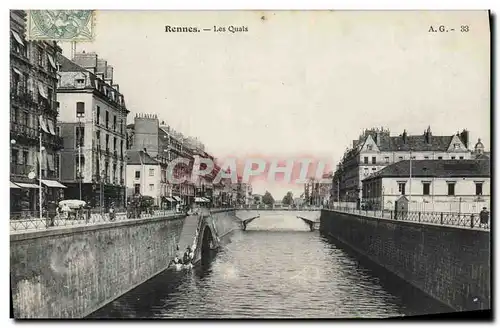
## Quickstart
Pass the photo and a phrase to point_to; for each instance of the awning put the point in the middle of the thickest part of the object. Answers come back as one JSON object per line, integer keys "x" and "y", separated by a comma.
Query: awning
{"x": 53, "y": 184}
{"x": 199, "y": 199}
{"x": 18, "y": 38}
{"x": 27, "y": 185}
{"x": 206, "y": 200}
{"x": 14, "y": 186}
{"x": 177, "y": 198}
{"x": 41, "y": 90}
{"x": 51, "y": 61}
{"x": 43, "y": 124}
{"x": 18, "y": 72}
{"x": 50, "y": 125}
{"x": 170, "y": 199}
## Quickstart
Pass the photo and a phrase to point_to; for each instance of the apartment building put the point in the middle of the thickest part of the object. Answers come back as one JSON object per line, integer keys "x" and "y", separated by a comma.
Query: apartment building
{"x": 93, "y": 124}
{"x": 34, "y": 138}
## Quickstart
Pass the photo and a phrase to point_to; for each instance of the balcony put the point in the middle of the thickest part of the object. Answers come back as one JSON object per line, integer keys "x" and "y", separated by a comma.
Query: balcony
{"x": 122, "y": 181}
{"x": 21, "y": 169}
{"x": 115, "y": 154}
{"x": 23, "y": 97}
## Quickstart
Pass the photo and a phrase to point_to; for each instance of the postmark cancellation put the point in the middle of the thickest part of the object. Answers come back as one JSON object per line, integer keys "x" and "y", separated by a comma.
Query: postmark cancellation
{"x": 61, "y": 25}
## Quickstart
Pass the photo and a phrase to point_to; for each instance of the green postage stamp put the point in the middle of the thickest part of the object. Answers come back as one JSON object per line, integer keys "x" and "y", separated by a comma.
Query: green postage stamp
{"x": 61, "y": 25}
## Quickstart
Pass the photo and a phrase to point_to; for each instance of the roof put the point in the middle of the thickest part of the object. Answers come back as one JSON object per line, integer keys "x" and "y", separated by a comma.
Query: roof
{"x": 415, "y": 143}
{"x": 436, "y": 169}
{"x": 138, "y": 157}
{"x": 67, "y": 65}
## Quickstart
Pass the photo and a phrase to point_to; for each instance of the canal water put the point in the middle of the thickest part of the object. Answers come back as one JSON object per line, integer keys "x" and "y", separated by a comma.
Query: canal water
{"x": 275, "y": 269}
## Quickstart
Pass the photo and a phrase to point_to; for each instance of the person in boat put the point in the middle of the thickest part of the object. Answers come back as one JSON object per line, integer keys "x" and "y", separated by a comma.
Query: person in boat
{"x": 176, "y": 260}
{"x": 187, "y": 256}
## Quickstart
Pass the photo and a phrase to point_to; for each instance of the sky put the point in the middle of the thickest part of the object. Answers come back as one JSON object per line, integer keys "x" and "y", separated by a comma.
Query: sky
{"x": 300, "y": 83}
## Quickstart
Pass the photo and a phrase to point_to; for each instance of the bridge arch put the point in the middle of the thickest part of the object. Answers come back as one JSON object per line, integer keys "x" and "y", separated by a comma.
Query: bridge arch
{"x": 207, "y": 245}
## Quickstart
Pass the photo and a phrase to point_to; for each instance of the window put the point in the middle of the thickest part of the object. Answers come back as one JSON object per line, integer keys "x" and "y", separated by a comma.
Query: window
{"x": 440, "y": 157}
{"x": 366, "y": 160}
{"x": 426, "y": 188}
{"x": 107, "y": 141}
{"x": 114, "y": 122}
{"x": 107, "y": 119}
{"x": 461, "y": 157}
{"x": 452, "y": 157}
{"x": 80, "y": 109}
{"x": 137, "y": 174}
{"x": 137, "y": 188}
{"x": 413, "y": 157}
{"x": 151, "y": 172}
{"x": 114, "y": 143}
{"x": 426, "y": 157}
{"x": 400, "y": 158}
{"x": 479, "y": 188}
{"x": 386, "y": 159}
{"x": 451, "y": 188}
{"x": 402, "y": 186}
{"x": 374, "y": 160}
{"x": 40, "y": 56}
{"x": 151, "y": 187}
{"x": 369, "y": 147}
{"x": 374, "y": 169}
{"x": 121, "y": 148}
{"x": 98, "y": 114}
{"x": 456, "y": 146}
{"x": 80, "y": 136}
{"x": 80, "y": 83}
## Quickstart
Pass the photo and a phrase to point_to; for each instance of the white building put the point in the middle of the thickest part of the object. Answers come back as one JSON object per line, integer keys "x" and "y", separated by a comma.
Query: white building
{"x": 144, "y": 176}
{"x": 376, "y": 149}
{"x": 435, "y": 185}
{"x": 92, "y": 122}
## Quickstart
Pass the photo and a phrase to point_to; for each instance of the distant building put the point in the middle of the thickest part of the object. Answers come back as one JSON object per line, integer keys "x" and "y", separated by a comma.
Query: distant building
{"x": 144, "y": 175}
{"x": 33, "y": 116}
{"x": 436, "y": 185}
{"x": 257, "y": 199}
{"x": 92, "y": 122}
{"x": 376, "y": 149}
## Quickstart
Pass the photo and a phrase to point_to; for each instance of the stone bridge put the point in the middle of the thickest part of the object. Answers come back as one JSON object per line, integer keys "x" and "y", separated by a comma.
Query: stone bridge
{"x": 309, "y": 216}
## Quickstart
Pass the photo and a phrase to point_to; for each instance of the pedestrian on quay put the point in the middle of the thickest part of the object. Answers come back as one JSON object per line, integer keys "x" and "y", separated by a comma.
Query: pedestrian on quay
{"x": 112, "y": 212}
{"x": 484, "y": 217}
{"x": 51, "y": 213}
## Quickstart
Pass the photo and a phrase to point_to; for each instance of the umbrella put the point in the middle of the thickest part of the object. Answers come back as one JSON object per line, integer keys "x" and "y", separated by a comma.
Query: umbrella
{"x": 72, "y": 203}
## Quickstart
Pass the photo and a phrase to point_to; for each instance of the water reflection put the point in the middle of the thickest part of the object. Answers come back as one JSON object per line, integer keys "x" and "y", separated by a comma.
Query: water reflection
{"x": 275, "y": 269}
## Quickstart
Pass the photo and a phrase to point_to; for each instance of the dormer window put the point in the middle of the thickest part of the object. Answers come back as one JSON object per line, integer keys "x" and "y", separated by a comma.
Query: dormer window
{"x": 80, "y": 82}
{"x": 457, "y": 146}
{"x": 369, "y": 147}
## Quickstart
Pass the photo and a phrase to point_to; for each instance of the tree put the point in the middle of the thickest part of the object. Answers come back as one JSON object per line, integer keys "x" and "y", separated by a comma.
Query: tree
{"x": 288, "y": 199}
{"x": 268, "y": 199}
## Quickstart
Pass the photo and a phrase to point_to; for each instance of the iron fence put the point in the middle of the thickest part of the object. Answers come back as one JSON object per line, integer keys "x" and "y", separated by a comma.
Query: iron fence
{"x": 455, "y": 219}
{"x": 31, "y": 220}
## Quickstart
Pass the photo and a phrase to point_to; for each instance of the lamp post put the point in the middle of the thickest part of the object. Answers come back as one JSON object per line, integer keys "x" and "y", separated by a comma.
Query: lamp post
{"x": 409, "y": 195}
{"x": 40, "y": 161}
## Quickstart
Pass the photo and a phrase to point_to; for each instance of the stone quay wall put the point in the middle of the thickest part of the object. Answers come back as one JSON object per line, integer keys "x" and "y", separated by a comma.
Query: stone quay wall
{"x": 450, "y": 264}
{"x": 71, "y": 272}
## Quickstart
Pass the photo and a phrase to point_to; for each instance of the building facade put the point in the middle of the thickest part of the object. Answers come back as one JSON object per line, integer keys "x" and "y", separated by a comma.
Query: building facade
{"x": 431, "y": 185}
{"x": 376, "y": 149}
{"x": 93, "y": 124}
{"x": 35, "y": 141}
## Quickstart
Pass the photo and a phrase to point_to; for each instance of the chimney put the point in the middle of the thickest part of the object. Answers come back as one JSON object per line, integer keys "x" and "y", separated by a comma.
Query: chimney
{"x": 428, "y": 135}
{"x": 405, "y": 135}
{"x": 377, "y": 138}
{"x": 464, "y": 136}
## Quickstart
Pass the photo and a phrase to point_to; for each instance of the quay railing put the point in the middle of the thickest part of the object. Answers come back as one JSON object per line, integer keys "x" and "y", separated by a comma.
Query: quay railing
{"x": 455, "y": 219}
{"x": 31, "y": 220}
